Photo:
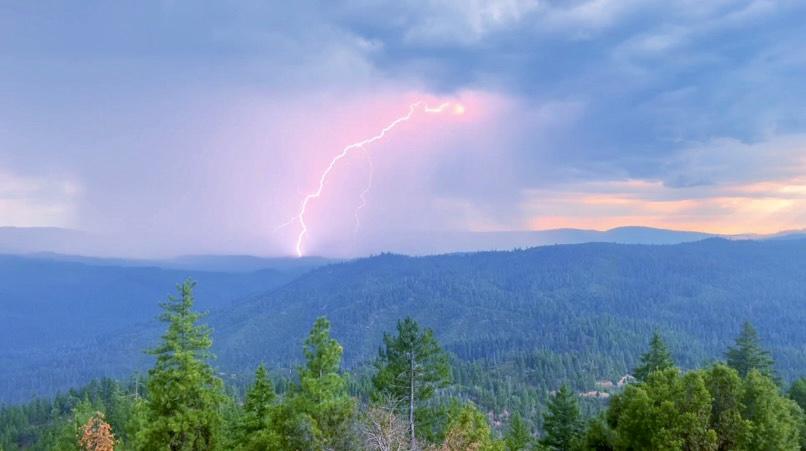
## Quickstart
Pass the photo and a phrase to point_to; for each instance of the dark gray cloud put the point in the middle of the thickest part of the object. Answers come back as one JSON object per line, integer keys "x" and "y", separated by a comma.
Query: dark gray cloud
{"x": 654, "y": 77}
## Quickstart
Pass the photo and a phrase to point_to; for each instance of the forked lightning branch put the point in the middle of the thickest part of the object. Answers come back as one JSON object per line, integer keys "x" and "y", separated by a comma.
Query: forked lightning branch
{"x": 455, "y": 108}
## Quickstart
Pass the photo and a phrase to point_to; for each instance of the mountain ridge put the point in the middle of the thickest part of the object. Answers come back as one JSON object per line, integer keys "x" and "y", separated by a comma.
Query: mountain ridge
{"x": 83, "y": 246}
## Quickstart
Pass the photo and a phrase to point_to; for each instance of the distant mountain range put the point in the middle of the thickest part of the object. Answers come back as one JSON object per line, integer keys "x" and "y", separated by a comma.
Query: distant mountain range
{"x": 587, "y": 307}
{"x": 484, "y": 241}
{"x": 68, "y": 245}
{"x": 211, "y": 263}
{"x": 15, "y": 240}
{"x": 23, "y": 240}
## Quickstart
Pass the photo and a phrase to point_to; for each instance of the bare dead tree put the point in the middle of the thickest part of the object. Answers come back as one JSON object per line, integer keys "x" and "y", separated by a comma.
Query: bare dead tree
{"x": 383, "y": 430}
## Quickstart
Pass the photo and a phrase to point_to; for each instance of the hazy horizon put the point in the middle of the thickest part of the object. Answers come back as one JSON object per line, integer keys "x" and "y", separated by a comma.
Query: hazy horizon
{"x": 72, "y": 242}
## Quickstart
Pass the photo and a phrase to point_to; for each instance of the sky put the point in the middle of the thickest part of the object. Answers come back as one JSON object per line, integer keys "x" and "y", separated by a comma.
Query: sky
{"x": 199, "y": 127}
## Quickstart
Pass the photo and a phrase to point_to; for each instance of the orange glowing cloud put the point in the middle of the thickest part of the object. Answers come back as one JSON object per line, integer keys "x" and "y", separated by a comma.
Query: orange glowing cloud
{"x": 762, "y": 207}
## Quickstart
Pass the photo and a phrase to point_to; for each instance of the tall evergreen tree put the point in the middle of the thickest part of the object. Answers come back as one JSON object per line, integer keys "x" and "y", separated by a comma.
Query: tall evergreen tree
{"x": 562, "y": 423}
{"x": 410, "y": 367}
{"x": 658, "y": 358}
{"x": 747, "y": 354}
{"x": 259, "y": 399}
{"x": 318, "y": 412}
{"x": 184, "y": 395}
{"x": 255, "y": 429}
{"x": 518, "y": 437}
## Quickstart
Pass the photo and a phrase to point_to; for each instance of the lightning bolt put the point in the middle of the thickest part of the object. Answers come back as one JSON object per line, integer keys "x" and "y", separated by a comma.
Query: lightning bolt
{"x": 363, "y": 195}
{"x": 300, "y": 216}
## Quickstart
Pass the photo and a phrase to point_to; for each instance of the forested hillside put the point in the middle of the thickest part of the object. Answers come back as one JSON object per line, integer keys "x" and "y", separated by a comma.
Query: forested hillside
{"x": 534, "y": 317}
{"x": 409, "y": 399}
{"x": 56, "y": 311}
{"x": 595, "y": 302}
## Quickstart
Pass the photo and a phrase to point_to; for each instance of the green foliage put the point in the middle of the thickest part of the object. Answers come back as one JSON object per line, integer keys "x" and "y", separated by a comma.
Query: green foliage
{"x": 65, "y": 435}
{"x": 598, "y": 436}
{"x": 775, "y": 420}
{"x": 668, "y": 411}
{"x": 726, "y": 420}
{"x": 52, "y": 424}
{"x": 410, "y": 367}
{"x": 711, "y": 409}
{"x": 434, "y": 419}
{"x": 255, "y": 427}
{"x": 550, "y": 315}
{"x": 747, "y": 354}
{"x": 658, "y": 358}
{"x": 562, "y": 423}
{"x": 797, "y": 392}
{"x": 183, "y": 406}
{"x": 259, "y": 401}
{"x": 518, "y": 437}
{"x": 65, "y": 323}
{"x": 469, "y": 430}
{"x": 318, "y": 412}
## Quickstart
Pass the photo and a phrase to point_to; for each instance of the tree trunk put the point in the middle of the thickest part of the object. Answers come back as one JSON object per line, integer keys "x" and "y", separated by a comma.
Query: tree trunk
{"x": 411, "y": 402}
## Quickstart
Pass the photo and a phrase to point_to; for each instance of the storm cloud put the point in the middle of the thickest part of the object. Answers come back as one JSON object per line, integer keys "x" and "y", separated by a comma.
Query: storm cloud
{"x": 177, "y": 127}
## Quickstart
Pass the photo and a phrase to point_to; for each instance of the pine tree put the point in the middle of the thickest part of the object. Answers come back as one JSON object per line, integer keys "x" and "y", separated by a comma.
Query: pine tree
{"x": 562, "y": 422}
{"x": 184, "y": 395}
{"x": 255, "y": 429}
{"x": 657, "y": 358}
{"x": 748, "y": 354}
{"x": 410, "y": 367}
{"x": 518, "y": 436}
{"x": 318, "y": 412}
{"x": 259, "y": 400}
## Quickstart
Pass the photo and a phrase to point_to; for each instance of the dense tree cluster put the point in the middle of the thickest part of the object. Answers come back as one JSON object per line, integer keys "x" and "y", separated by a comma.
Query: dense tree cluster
{"x": 733, "y": 406}
{"x": 408, "y": 399}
